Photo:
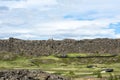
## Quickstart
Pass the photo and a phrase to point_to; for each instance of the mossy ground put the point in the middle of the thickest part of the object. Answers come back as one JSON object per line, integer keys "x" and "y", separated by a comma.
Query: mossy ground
{"x": 74, "y": 68}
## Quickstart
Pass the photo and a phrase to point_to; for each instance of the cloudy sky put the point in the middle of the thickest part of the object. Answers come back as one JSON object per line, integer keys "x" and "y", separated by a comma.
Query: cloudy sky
{"x": 59, "y": 19}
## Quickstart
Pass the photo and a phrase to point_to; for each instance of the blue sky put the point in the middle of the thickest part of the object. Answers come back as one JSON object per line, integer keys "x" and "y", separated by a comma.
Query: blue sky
{"x": 59, "y": 19}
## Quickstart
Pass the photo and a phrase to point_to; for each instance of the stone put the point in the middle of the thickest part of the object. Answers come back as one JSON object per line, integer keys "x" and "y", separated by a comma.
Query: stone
{"x": 108, "y": 70}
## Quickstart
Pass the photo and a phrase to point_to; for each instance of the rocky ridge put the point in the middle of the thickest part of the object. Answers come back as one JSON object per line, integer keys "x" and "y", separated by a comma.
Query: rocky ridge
{"x": 47, "y": 47}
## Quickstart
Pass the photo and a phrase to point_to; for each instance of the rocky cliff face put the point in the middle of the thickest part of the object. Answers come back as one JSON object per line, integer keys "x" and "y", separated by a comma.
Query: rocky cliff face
{"x": 47, "y": 47}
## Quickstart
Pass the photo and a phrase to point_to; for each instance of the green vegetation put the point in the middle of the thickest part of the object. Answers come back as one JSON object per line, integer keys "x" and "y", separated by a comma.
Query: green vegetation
{"x": 74, "y": 68}
{"x": 114, "y": 77}
{"x": 77, "y": 55}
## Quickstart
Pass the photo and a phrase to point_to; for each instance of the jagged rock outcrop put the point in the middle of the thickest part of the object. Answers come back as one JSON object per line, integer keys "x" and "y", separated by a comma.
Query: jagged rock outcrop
{"x": 47, "y": 47}
{"x": 27, "y": 75}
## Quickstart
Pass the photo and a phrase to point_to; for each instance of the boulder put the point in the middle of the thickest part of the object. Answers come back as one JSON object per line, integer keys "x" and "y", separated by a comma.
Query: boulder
{"x": 91, "y": 66}
{"x": 108, "y": 70}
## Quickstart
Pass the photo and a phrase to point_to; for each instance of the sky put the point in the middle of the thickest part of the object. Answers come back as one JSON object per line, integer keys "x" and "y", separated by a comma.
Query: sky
{"x": 59, "y": 19}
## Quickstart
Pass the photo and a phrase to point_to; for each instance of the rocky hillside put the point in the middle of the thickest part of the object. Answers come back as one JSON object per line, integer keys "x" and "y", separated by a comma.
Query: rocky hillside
{"x": 47, "y": 47}
{"x": 27, "y": 75}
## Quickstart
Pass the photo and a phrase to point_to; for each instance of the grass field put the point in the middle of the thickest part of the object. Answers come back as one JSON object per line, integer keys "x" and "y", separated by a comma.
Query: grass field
{"x": 71, "y": 67}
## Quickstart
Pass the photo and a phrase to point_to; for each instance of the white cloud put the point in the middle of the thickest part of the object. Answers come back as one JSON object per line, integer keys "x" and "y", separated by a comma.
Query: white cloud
{"x": 117, "y": 36}
{"x": 41, "y": 19}
{"x": 29, "y": 3}
{"x": 74, "y": 29}
{"x": 11, "y": 30}
{"x": 26, "y": 36}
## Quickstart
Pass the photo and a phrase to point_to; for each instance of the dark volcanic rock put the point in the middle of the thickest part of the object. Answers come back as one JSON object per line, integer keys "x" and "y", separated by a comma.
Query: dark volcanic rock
{"x": 108, "y": 70}
{"x": 91, "y": 66}
{"x": 27, "y": 75}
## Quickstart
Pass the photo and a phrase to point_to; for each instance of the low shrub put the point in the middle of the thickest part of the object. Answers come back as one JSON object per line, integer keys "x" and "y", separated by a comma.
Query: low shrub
{"x": 98, "y": 74}
{"x": 113, "y": 77}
